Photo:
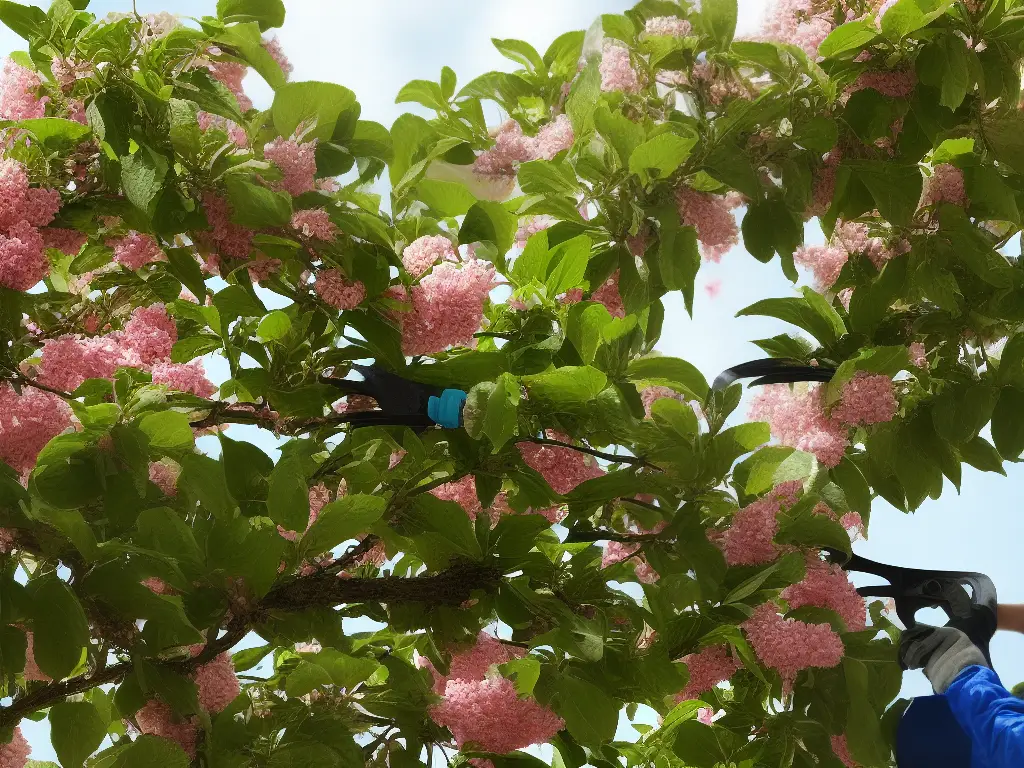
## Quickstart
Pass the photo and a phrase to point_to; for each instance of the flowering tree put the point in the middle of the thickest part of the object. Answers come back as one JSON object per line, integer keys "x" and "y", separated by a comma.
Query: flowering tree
{"x": 148, "y": 211}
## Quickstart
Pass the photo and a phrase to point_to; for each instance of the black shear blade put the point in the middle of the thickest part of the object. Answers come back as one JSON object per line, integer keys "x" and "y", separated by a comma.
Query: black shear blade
{"x": 772, "y": 370}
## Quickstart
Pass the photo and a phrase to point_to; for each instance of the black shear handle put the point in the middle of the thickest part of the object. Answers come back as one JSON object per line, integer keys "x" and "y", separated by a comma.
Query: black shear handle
{"x": 968, "y": 599}
{"x": 772, "y": 370}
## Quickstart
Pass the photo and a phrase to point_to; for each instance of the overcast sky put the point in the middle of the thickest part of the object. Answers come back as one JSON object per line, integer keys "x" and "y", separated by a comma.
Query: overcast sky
{"x": 376, "y": 46}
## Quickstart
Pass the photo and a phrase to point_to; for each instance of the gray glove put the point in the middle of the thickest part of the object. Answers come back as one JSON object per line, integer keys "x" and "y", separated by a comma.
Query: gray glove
{"x": 944, "y": 652}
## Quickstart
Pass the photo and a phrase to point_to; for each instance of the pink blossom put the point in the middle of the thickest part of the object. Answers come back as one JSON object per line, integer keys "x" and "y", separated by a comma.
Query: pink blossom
{"x": 825, "y": 184}
{"x": 150, "y": 333}
{"x": 23, "y": 262}
{"x": 20, "y": 203}
{"x": 826, "y": 262}
{"x": 854, "y": 524}
{"x": 356, "y": 404}
{"x": 18, "y": 93}
{"x": 797, "y": 418}
{"x": 616, "y": 552}
{"x": 712, "y": 288}
{"x": 896, "y": 84}
{"x": 826, "y": 585}
{"x": 644, "y": 571}
{"x": 155, "y": 584}
{"x": 839, "y": 744}
{"x": 463, "y": 493}
{"x": 297, "y": 163}
{"x": 235, "y": 132}
{"x": 866, "y": 399}
{"x": 32, "y": 670}
{"x": 273, "y": 46}
{"x": 749, "y": 539}
{"x": 319, "y": 497}
{"x": 184, "y": 377}
{"x": 230, "y": 238}
{"x": 27, "y": 423}
{"x": 489, "y": 714}
{"x": 76, "y": 112}
{"x": 165, "y": 477}
{"x": 217, "y": 683}
{"x": 315, "y": 223}
{"x": 67, "y": 71}
{"x": 711, "y": 216}
{"x": 617, "y": 73}
{"x": 446, "y": 307}
{"x": 709, "y": 667}
{"x": 158, "y": 719}
{"x": 422, "y": 254}
{"x": 553, "y": 138}
{"x": 473, "y": 663}
{"x": 261, "y": 268}
{"x": 531, "y": 225}
{"x": 788, "y": 645}
{"x": 8, "y": 537}
{"x": 798, "y": 23}
{"x": 69, "y": 360}
{"x": 608, "y": 294}
{"x": 67, "y": 241}
{"x": 669, "y": 26}
{"x": 706, "y": 716}
{"x": 510, "y": 147}
{"x": 396, "y": 458}
{"x": 135, "y": 250}
{"x": 14, "y": 754}
{"x": 334, "y": 289}
{"x": 918, "y": 354}
{"x": 231, "y": 74}
{"x": 945, "y": 185}
{"x": 562, "y": 468}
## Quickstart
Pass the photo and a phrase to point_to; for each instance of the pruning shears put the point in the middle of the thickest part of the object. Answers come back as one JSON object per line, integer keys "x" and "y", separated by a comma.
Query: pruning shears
{"x": 401, "y": 402}
{"x": 968, "y": 599}
{"x": 772, "y": 370}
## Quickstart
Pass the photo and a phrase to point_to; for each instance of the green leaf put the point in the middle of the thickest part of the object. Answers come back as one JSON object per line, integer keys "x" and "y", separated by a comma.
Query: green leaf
{"x": 442, "y": 530}
{"x": 191, "y": 347}
{"x": 567, "y": 264}
{"x": 961, "y": 412}
{"x": 759, "y": 470}
{"x": 572, "y": 385}
{"x": 895, "y": 187}
{"x": 234, "y": 302}
{"x": 501, "y": 416}
{"x": 1005, "y": 136}
{"x": 951, "y": 149}
{"x": 269, "y": 14}
{"x": 288, "y": 495}
{"x": 907, "y": 16}
{"x": 956, "y": 75}
{"x": 798, "y": 312}
{"x": 182, "y": 263}
{"x": 659, "y": 157}
{"x": 583, "y": 98}
{"x": 305, "y": 678}
{"x": 852, "y": 36}
{"x": 563, "y": 54}
{"x": 703, "y": 746}
{"x": 678, "y": 254}
{"x": 584, "y": 328}
{"x": 719, "y": 20}
{"x": 769, "y": 228}
{"x": 167, "y": 430}
{"x": 521, "y": 53}
{"x": 26, "y": 21}
{"x": 76, "y": 731}
{"x": 275, "y": 326}
{"x": 203, "y": 479}
{"x": 55, "y": 132}
{"x": 149, "y": 751}
{"x": 162, "y": 530}
{"x": 423, "y": 92}
{"x": 323, "y": 104}
{"x": 257, "y": 207}
{"x": 342, "y": 520}
{"x": 248, "y": 658}
{"x": 863, "y": 731}
{"x": 447, "y": 198}
{"x": 618, "y": 130}
{"x": 489, "y": 222}
{"x": 142, "y": 176}
{"x": 671, "y": 372}
{"x": 243, "y": 551}
{"x": 981, "y": 454}
{"x": 524, "y": 672}
{"x": 590, "y": 715}
{"x": 60, "y": 629}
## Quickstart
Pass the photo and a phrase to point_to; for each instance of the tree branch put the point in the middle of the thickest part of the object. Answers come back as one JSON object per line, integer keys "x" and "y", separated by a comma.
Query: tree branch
{"x": 452, "y": 586}
{"x": 575, "y": 537}
{"x": 636, "y": 461}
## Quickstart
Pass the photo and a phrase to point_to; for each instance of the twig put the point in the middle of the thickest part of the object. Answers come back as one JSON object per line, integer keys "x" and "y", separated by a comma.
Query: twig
{"x": 636, "y": 461}
{"x": 575, "y": 537}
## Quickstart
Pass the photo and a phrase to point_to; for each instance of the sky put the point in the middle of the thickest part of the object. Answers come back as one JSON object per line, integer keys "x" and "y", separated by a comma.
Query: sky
{"x": 376, "y": 46}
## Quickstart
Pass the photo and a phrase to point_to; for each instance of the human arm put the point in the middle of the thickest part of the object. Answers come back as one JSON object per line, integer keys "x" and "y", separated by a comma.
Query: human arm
{"x": 1011, "y": 618}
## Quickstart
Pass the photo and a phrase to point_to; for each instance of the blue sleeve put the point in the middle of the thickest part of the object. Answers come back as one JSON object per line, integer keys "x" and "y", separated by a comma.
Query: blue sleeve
{"x": 990, "y": 715}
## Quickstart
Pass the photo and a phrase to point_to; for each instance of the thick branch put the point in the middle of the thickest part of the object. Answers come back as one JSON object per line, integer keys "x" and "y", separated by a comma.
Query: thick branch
{"x": 449, "y": 587}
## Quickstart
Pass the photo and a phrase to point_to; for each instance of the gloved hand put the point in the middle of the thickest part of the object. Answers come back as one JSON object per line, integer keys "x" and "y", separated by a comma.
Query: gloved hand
{"x": 944, "y": 652}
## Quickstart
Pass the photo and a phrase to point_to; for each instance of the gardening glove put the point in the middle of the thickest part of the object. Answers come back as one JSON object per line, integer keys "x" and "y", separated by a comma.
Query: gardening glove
{"x": 943, "y": 652}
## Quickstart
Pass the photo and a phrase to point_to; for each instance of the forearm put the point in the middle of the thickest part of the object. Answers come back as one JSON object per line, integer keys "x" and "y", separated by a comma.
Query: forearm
{"x": 1011, "y": 618}
{"x": 990, "y": 715}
